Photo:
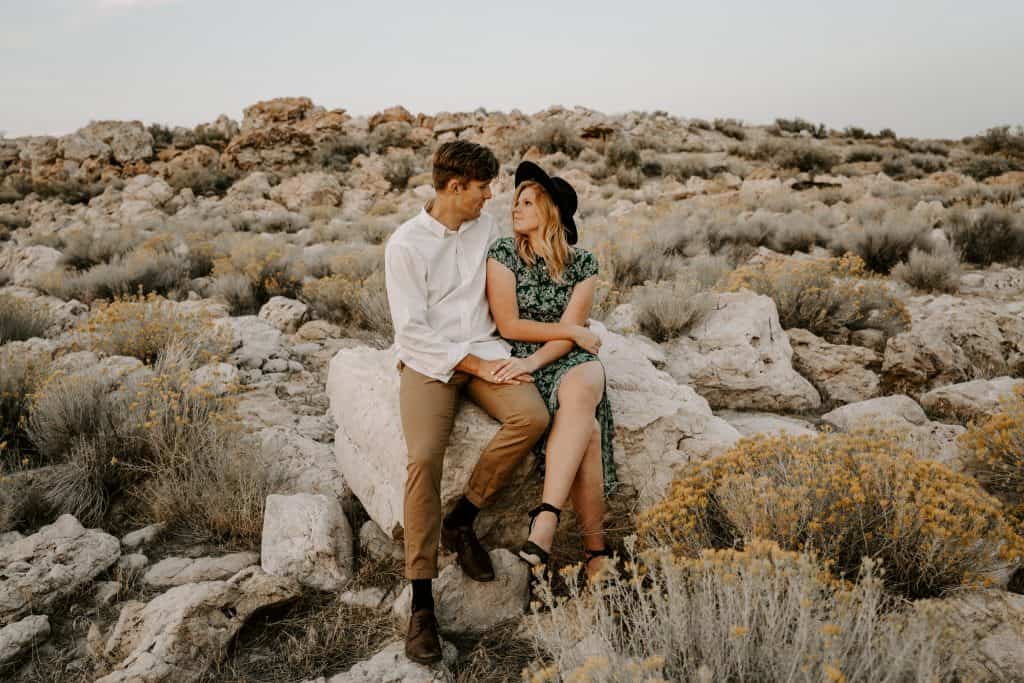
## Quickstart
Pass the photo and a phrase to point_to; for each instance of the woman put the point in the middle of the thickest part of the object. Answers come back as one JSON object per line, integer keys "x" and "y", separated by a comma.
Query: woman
{"x": 537, "y": 284}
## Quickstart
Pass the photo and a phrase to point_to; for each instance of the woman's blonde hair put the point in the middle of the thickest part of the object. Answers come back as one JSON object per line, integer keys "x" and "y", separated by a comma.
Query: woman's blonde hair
{"x": 554, "y": 248}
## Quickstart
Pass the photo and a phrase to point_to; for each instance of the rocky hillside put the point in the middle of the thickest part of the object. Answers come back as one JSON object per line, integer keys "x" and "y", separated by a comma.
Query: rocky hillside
{"x": 201, "y": 448}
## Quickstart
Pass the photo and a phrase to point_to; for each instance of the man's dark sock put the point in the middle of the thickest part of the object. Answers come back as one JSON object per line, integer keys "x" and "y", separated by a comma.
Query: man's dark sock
{"x": 463, "y": 514}
{"x": 422, "y": 595}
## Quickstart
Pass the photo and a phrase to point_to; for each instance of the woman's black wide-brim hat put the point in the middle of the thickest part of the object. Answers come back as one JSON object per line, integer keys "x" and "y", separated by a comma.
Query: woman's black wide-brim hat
{"x": 559, "y": 190}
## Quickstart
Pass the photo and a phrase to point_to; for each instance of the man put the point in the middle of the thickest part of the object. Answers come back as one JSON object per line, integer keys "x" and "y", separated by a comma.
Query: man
{"x": 435, "y": 268}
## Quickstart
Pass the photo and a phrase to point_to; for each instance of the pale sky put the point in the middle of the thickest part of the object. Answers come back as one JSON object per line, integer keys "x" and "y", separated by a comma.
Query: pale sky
{"x": 936, "y": 68}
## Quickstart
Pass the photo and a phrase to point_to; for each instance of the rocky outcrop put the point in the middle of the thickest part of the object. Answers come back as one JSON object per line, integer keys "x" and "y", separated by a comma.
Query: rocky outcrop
{"x": 738, "y": 357}
{"x": 176, "y": 636}
{"x": 308, "y": 537}
{"x": 951, "y": 341}
{"x": 50, "y": 564}
{"x": 974, "y": 400}
{"x": 19, "y": 637}
{"x": 390, "y": 665}
{"x": 120, "y": 141}
{"x": 178, "y": 571}
{"x": 283, "y": 313}
{"x": 842, "y": 374}
{"x": 659, "y": 425}
{"x": 308, "y": 189}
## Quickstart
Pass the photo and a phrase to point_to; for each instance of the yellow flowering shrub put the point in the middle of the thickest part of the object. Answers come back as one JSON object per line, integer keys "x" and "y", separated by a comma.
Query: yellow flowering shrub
{"x": 758, "y": 614}
{"x": 274, "y": 268}
{"x": 823, "y": 295}
{"x": 142, "y": 326}
{"x": 845, "y": 496}
{"x": 995, "y": 454}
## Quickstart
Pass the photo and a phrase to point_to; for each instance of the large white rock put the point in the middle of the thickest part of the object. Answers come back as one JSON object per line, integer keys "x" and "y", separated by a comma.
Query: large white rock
{"x": 178, "y": 571}
{"x": 465, "y": 606}
{"x": 390, "y": 665}
{"x": 176, "y": 635}
{"x": 52, "y": 563}
{"x": 931, "y": 440}
{"x": 283, "y": 313}
{"x": 972, "y": 400}
{"x": 659, "y": 425}
{"x": 18, "y": 637}
{"x": 25, "y": 264}
{"x": 307, "y": 536}
{"x": 754, "y": 424}
{"x": 954, "y": 340}
{"x": 841, "y": 373}
{"x": 256, "y": 340}
{"x": 738, "y": 357}
{"x": 300, "y": 463}
{"x": 308, "y": 189}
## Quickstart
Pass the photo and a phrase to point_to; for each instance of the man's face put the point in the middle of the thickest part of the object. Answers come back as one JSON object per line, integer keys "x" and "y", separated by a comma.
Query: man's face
{"x": 472, "y": 197}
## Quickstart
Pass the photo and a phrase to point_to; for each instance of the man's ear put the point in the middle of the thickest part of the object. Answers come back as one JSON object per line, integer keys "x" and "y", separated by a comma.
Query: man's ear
{"x": 454, "y": 185}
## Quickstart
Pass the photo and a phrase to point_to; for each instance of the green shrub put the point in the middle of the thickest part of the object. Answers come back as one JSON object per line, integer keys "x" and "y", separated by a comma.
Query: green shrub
{"x": 863, "y": 153}
{"x": 932, "y": 271}
{"x": 730, "y": 128}
{"x": 142, "y": 270}
{"x": 667, "y": 309}
{"x": 824, "y": 296}
{"x": 981, "y": 168}
{"x": 337, "y": 154}
{"x": 629, "y": 178}
{"x": 985, "y": 236}
{"x": 847, "y": 496}
{"x": 881, "y": 244}
{"x": 622, "y": 152}
{"x": 806, "y": 157}
{"x": 551, "y": 137}
{"x": 20, "y": 320}
{"x": 1002, "y": 140}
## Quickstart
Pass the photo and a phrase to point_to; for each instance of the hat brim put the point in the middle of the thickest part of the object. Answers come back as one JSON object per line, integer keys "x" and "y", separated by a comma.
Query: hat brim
{"x": 528, "y": 170}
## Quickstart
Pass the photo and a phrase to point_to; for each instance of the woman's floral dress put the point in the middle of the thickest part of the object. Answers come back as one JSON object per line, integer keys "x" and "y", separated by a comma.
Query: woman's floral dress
{"x": 544, "y": 300}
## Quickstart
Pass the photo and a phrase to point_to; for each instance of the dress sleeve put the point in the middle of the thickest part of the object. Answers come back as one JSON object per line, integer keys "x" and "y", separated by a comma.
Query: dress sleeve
{"x": 504, "y": 252}
{"x": 585, "y": 265}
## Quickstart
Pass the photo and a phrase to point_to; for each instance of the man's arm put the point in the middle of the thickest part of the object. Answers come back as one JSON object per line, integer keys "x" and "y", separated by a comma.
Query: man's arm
{"x": 405, "y": 279}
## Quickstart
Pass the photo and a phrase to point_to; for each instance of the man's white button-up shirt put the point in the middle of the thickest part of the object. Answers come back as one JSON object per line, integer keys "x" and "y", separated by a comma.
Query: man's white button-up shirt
{"x": 436, "y": 282}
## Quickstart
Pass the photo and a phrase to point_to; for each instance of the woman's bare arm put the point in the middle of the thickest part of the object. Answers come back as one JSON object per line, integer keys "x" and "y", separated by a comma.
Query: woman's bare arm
{"x": 501, "y": 296}
{"x": 576, "y": 313}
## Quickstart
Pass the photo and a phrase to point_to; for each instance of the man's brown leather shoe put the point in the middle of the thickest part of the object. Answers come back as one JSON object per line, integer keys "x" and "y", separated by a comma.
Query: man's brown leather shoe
{"x": 422, "y": 644}
{"x": 472, "y": 556}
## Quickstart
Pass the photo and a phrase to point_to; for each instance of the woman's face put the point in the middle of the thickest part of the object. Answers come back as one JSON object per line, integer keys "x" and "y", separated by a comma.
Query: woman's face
{"x": 526, "y": 215}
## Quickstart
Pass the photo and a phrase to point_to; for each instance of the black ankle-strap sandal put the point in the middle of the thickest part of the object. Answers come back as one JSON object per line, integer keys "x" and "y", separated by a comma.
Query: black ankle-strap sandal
{"x": 589, "y": 555}
{"x": 531, "y": 553}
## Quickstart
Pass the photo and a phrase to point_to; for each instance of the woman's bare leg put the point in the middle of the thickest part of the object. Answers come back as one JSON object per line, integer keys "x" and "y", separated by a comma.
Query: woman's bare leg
{"x": 579, "y": 392}
{"x": 587, "y": 494}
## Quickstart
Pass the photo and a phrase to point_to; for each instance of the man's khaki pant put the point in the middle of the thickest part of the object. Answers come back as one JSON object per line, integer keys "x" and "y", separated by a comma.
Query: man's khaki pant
{"x": 428, "y": 413}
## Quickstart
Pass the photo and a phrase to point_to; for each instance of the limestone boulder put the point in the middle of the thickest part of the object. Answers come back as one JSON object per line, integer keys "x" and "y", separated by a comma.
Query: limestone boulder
{"x": 192, "y": 163}
{"x": 140, "y": 537}
{"x": 178, "y": 571}
{"x": 840, "y": 373}
{"x": 659, "y": 426}
{"x": 50, "y": 564}
{"x": 300, "y": 463}
{"x": 124, "y": 141}
{"x": 974, "y": 400}
{"x": 738, "y": 357}
{"x": 276, "y": 111}
{"x": 146, "y": 188}
{"x": 25, "y": 264}
{"x": 467, "y": 607}
{"x": 390, "y": 665}
{"x": 902, "y": 414}
{"x": 255, "y": 340}
{"x": 307, "y": 536}
{"x": 19, "y": 637}
{"x": 754, "y": 424}
{"x": 177, "y": 635}
{"x": 308, "y": 189}
{"x": 271, "y": 147}
{"x": 217, "y": 378}
{"x": 283, "y": 313}
{"x": 951, "y": 341}
{"x": 391, "y": 114}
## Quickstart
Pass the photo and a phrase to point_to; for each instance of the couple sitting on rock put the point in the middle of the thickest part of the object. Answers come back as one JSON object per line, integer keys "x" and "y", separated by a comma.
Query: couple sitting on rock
{"x": 454, "y": 285}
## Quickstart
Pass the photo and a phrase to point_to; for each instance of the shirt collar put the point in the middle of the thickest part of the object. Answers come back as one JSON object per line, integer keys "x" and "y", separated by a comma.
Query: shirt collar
{"x": 439, "y": 229}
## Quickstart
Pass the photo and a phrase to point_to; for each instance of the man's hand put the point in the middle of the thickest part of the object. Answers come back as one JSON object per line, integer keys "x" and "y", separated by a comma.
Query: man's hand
{"x": 514, "y": 369}
{"x": 488, "y": 370}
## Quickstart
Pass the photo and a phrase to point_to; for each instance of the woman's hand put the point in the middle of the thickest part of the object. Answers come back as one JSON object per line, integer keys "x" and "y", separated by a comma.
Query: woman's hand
{"x": 587, "y": 340}
{"x": 519, "y": 369}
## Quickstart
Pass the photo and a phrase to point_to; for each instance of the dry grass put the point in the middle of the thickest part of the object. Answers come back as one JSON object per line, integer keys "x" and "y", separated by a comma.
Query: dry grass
{"x": 667, "y": 309}
{"x": 884, "y": 241}
{"x": 824, "y": 295}
{"x": 986, "y": 236}
{"x": 995, "y": 454}
{"x": 20, "y": 376}
{"x": 359, "y": 305}
{"x": 499, "y": 655}
{"x": 143, "y": 269}
{"x": 318, "y": 635}
{"x": 143, "y": 326}
{"x": 20, "y": 320}
{"x": 935, "y": 271}
{"x": 236, "y": 291}
{"x": 272, "y": 266}
{"x": 761, "y": 614}
{"x": 845, "y": 496}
